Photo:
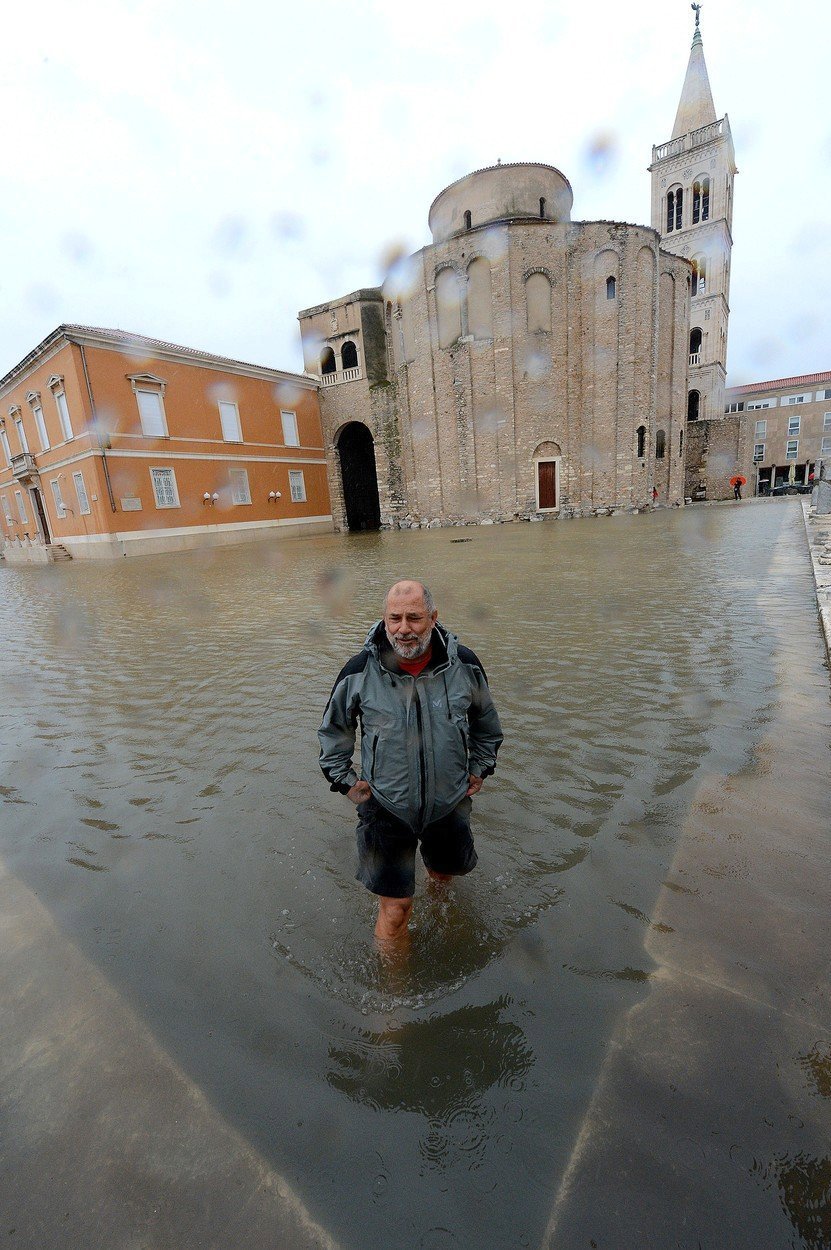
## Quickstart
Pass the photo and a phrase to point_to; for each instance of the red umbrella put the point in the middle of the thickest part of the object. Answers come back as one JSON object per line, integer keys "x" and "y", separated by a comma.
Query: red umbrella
{"x": 738, "y": 480}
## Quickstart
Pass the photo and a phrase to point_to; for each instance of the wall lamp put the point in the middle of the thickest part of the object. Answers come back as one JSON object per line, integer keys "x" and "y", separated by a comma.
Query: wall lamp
{"x": 274, "y": 495}
{"x": 209, "y": 498}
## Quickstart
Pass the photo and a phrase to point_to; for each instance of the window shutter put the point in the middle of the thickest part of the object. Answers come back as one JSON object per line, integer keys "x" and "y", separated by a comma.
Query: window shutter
{"x": 150, "y": 411}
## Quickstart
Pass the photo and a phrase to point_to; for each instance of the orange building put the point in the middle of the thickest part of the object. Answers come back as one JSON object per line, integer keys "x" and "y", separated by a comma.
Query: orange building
{"x": 114, "y": 444}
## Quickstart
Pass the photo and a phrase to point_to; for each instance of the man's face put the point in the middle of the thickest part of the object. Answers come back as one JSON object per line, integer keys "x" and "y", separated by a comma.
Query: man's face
{"x": 408, "y": 624}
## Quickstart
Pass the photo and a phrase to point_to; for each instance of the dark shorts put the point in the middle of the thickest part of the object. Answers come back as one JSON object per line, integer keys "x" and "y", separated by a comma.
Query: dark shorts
{"x": 387, "y": 848}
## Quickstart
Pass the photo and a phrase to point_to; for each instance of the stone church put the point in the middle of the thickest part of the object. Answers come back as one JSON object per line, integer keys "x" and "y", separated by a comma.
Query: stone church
{"x": 524, "y": 365}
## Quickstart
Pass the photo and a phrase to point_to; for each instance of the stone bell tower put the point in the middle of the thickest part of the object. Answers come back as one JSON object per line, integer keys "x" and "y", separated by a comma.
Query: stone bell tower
{"x": 692, "y": 209}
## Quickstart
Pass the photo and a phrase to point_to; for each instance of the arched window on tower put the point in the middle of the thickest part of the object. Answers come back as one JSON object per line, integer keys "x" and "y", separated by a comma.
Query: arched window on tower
{"x": 468, "y": 219}
{"x": 699, "y": 275}
{"x": 328, "y": 364}
{"x": 701, "y": 200}
{"x": 641, "y": 436}
{"x": 675, "y": 209}
{"x": 670, "y": 211}
{"x": 660, "y": 445}
{"x": 349, "y": 355}
{"x": 542, "y": 206}
{"x": 693, "y": 405}
{"x": 695, "y": 346}
{"x": 611, "y": 288}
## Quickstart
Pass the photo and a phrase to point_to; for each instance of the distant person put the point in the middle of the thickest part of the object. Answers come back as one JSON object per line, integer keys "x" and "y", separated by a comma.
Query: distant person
{"x": 429, "y": 738}
{"x": 737, "y": 490}
{"x": 654, "y": 495}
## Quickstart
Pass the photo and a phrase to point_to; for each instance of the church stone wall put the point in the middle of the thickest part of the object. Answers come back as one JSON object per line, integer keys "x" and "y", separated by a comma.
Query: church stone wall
{"x": 511, "y": 343}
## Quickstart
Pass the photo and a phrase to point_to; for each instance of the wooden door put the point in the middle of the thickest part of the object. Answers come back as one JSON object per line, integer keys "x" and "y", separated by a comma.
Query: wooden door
{"x": 547, "y": 483}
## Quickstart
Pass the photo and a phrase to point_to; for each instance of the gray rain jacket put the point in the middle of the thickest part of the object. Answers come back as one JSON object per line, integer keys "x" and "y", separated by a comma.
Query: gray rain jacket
{"x": 421, "y": 736}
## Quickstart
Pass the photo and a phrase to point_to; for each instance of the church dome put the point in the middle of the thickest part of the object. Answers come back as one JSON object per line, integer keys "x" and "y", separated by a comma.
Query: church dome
{"x": 501, "y": 193}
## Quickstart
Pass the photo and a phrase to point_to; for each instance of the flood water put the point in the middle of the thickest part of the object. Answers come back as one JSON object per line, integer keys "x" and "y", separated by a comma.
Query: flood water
{"x": 161, "y": 794}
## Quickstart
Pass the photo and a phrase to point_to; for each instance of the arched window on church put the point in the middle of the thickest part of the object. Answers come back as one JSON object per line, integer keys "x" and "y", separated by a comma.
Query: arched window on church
{"x": 705, "y": 199}
{"x": 538, "y": 302}
{"x": 693, "y": 405}
{"x": 695, "y": 346}
{"x": 542, "y": 206}
{"x": 479, "y": 310}
{"x": 448, "y": 307}
{"x": 468, "y": 219}
{"x": 660, "y": 445}
{"x": 675, "y": 209}
{"x": 699, "y": 275}
{"x": 349, "y": 355}
{"x": 611, "y": 288}
{"x": 328, "y": 364}
{"x": 679, "y": 208}
{"x": 641, "y": 436}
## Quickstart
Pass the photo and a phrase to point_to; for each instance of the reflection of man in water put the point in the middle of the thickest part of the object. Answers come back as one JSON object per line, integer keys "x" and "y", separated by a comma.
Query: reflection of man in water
{"x": 429, "y": 737}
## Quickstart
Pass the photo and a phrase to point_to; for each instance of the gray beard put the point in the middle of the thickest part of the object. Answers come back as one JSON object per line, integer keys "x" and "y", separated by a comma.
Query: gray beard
{"x": 411, "y": 650}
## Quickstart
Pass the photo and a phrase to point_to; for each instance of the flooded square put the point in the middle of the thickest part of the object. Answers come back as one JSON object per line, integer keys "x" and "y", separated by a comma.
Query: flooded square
{"x": 649, "y": 913}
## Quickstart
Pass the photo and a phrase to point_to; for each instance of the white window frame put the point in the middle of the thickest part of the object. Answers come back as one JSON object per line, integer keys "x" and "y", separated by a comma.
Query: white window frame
{"x": 792, "y": 449}
{"x": 793, "y": 427}
{"x": 761, "y": 429}
{"x": 239, "y": 478}
{"x": 21, "y": 507}
{"x": 7, "y": 515}
{"x": 60, "y": 506}
{"x": 63, "y": 415}
{"x": 736, "y": 406}
{"x": 826, "y": 421}
{"x": 797, "y": 399}
{"x": 81, "y": 492}
{"x": 754, "y": 405}
{"x": 21, "y": 434}
{"x": 159, "y": 397}
{"x": 40, "y": 422}
{"x": 297, "y": 486}
{"x": 7, "y": 451}
{"x": 825, "y": 447}
{"x": 291, "y": 433}
{"x": 164, "y": 469}
{"x": 231, "y": 414}
{"x": 758, "y": 453}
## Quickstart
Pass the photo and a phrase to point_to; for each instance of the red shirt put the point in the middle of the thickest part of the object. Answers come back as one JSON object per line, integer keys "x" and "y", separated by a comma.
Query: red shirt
{"x": 414, "y": 667}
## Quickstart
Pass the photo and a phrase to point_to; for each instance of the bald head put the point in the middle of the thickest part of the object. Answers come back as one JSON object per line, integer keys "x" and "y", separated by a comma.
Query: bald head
{"x": 407, "y": 587}
{"x": 409, "y": 617}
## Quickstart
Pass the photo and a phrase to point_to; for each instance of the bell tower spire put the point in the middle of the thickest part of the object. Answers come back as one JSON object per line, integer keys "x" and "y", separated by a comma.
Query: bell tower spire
{"x": 692, "y": 209}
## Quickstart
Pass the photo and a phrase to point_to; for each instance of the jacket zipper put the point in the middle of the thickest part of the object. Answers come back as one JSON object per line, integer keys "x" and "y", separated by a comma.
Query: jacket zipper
{"x": 374, "y": 749}
{"x": 422, "y": 763}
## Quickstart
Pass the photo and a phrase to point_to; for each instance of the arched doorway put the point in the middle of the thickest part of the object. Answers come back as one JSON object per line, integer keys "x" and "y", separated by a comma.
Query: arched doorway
{"x": 359, "y": 478}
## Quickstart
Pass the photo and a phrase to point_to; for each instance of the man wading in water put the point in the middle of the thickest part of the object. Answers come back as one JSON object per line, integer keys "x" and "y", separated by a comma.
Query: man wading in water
{"x": 429, "y": 738}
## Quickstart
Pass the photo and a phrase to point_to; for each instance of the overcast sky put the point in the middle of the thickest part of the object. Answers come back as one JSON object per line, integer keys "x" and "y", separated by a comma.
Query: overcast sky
{"x": 199, "y": 172}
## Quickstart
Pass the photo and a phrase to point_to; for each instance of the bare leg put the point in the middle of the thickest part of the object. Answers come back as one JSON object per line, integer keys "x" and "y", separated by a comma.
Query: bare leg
{"x": 393, "y": 917}
{"x": 439, "y": 876}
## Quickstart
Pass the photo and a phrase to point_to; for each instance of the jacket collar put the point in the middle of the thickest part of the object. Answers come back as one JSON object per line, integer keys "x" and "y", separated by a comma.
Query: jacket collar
{"x": 445, "y": 648}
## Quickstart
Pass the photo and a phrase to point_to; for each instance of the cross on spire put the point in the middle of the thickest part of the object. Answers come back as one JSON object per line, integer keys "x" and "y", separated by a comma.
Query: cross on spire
{"x": 697, "y": 10}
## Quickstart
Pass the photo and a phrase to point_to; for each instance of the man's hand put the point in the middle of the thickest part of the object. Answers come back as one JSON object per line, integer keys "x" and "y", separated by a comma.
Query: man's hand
{"x": 360, "y": 792}
{"x": 475, "y": 786}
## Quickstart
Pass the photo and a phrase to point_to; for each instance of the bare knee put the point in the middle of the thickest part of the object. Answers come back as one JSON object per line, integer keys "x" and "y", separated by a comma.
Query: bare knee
{"x": 393, "y": 916}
